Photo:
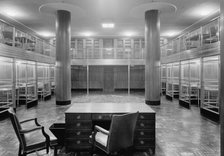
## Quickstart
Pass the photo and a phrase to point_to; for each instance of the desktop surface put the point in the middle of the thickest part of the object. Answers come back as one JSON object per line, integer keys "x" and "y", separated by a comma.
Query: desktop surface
{"x": 109, "y": 108}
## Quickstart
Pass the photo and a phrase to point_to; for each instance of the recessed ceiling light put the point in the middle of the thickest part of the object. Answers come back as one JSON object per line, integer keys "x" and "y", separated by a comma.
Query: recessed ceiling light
{"x": 170, "y": 33}
{"x": 203, "y": 10}
{"x": 128, "y": 33}
{"x": 87, "y": 34}
{"x": 12, "y": 11}
{"x": 46, "y": 34}
{"x": 108, "y": 25}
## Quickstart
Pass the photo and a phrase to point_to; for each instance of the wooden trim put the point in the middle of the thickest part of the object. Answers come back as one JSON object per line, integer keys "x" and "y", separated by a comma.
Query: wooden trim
{"x": 18, "y": 53}
{"x": 152, "y": 102}
{"x": 63, "y": 102}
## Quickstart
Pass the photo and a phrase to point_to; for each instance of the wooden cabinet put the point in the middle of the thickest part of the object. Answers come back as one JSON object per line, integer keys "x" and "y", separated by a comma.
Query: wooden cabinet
{"x": 80, "y": 121}
{"x": 145, "y": 132}
{"x": 78, "y": 130}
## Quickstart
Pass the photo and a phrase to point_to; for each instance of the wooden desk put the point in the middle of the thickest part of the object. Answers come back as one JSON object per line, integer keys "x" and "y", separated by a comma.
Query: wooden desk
{"x": 80, "y": 119}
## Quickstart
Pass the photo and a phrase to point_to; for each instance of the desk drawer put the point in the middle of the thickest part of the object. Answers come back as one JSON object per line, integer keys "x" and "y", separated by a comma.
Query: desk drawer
{"x": 145, "y": 124}
{"x": 79, "y": 125}
{"x": 78, "y": 141}
{"x": 82, "y": 133}
{"x": 77, "y": 116}
{"x": 76, "y": 144}
{"x": 140, "y": 142}
{"x": 101, "y": 116}
{"x": 143, "y": 133}
{"x": 146, "y": 116}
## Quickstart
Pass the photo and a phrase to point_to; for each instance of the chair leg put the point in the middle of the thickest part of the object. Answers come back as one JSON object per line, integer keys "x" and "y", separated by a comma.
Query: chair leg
{"x": 47, "y": 148}
{"x": 24, "y": 154}
{"x": 55, "y": 150}
{"x": 20, "y": 150}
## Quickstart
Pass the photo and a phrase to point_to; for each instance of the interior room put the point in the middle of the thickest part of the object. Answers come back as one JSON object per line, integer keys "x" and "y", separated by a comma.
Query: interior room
{"x": 111, "y": 77}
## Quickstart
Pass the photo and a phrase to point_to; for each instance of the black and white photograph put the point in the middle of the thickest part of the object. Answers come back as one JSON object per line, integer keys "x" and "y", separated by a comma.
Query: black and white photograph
{"x": 111, "y": 77}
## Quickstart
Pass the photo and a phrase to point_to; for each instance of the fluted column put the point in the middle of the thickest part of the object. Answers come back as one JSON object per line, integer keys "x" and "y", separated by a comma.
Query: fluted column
{"x": 152, "y": 57}
{"x": 63, "y": 62}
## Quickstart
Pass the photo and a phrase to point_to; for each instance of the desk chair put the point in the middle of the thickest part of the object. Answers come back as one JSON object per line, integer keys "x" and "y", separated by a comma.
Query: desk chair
{"x": 30, "y": 140}
{"x": 120, "y": 136}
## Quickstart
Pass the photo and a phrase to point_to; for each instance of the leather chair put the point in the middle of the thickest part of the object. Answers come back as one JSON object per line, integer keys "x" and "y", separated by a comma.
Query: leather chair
{"x": 32, "y": 139}
{"x": 120, "y": 135}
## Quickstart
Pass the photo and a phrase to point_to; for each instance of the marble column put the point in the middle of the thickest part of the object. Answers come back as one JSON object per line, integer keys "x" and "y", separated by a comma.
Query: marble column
{"x": 221, "y": 85}
{"x": 63, "y": 62}
{"x": 152, "y": 57}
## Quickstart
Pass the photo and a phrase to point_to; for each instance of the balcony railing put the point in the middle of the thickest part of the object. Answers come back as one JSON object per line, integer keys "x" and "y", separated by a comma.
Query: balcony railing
{"x": 13, "y": 37}
{"x": 205, "y": 36}
{"x": 107, "y": 53}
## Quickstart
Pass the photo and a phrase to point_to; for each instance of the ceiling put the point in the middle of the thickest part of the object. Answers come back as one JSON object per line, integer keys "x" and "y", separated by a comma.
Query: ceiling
{"x": 88, "y": 15}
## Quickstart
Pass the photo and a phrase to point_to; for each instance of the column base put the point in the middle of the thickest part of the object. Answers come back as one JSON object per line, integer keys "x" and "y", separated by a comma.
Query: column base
{"x": 63, "y": 102}
{"x": 155, "y": 103}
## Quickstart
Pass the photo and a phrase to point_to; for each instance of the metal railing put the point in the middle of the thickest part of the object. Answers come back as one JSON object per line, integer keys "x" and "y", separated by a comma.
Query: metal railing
{"x": 107, "y": 53}
{"x": 13, "y": 37}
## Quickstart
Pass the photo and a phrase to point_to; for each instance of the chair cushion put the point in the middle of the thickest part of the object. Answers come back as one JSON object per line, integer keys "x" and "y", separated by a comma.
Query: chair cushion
{"x": 101, "y": 138}
{"x": 35, "y": 137}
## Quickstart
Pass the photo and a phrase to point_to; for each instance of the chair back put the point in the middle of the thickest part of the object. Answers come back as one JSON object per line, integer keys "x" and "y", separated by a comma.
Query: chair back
{"x": 17, "y": 127}
{"x": 122, "y": 131}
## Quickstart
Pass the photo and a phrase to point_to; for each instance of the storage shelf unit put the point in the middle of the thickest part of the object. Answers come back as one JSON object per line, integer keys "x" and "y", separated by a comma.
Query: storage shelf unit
{"x": 163, "y": 79}
{"x": 44, "y": 83}
{"x": 172, "y": 81}
{"x": 195, "y": 81}
{"x": 169, "y": 85}
{"x": 20, "y": 50}
{"x": 190, "y": 83}
{"x": 26, "y": 84}
{"x": 196, "y": 40}
{"x": 11, "y": 36}
{"x": 210, "y": 87}
{"x": 184, "y": 98}
{"x": 6, "y": 84}
{"x": 198, "y": 53}
{"x": 107, "y": 48}
{"x": 52, "y": 78}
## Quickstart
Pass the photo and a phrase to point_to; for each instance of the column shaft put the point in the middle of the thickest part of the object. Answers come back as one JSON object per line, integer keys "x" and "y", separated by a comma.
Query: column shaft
{"x": 221, "y": 84}
{"x": 152, "y": 57}
{"x": 63, "y": 62}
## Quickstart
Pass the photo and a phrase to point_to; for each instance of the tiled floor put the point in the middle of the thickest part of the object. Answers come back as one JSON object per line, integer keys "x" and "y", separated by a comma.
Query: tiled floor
{"x": 179, "y": 131}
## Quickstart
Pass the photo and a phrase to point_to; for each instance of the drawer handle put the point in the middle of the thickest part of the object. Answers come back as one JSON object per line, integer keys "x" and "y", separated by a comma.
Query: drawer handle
{"x": 78, "y": 124}
{"x": 78, "y": 117}
{"x": 78, "y": 142}
{"x": 78, "y": 133}
{"x": 142, "y": 117}
{"x": 142, "y": 133}
{"x": 142, "y": 142}
{"x": 142, "y": 125}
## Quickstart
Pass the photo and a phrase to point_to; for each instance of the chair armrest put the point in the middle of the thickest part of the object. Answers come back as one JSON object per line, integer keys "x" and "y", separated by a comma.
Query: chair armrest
{"x": 100, "y": 129}
{"x": 43, "y": 132}
{"x": 31, "y": 130}
{"x": 35, "y": 120}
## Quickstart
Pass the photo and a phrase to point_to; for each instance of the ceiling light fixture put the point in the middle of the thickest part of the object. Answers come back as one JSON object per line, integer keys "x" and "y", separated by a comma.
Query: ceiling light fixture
{"x": 108, "y": 25}
{"x": 46, "y": 34}
{"x": 129, "y": 34}
{"x": 12, "y": 11}
{"x": 170, "y": 33}
{"x": 203, "y": 10}
{"x": 87, "y": 34}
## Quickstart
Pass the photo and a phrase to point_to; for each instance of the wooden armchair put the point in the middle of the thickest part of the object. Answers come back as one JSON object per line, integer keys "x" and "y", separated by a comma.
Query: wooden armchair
{"x": 120, "y": 136}
{"x": 32, "y": 139}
